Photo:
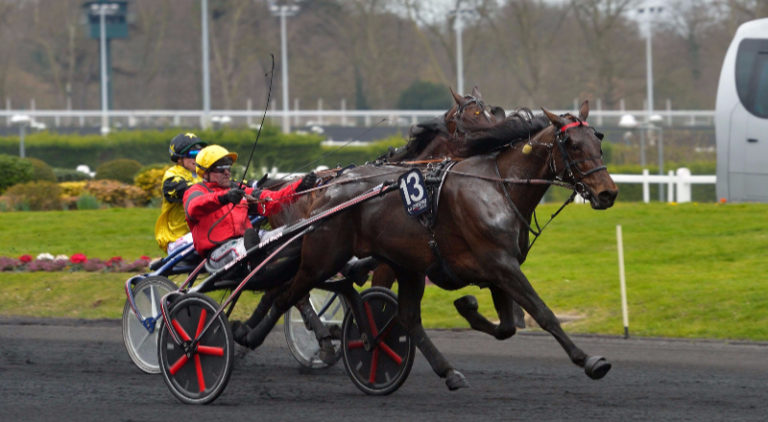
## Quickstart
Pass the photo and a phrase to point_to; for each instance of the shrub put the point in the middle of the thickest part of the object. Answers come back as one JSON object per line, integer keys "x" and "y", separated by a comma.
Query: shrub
{"x": 42, "y": 171}
{"x": 115, "y": 193}
{"x": 69, "y": 175}
{"x": 87, "y": 202}
{"x": 14, "y": 170}
{"x": 150, "y": 180}
{"x": 423, "y": 95}
{"x": 122, "y": 170}
{"x": 35, "y": 196}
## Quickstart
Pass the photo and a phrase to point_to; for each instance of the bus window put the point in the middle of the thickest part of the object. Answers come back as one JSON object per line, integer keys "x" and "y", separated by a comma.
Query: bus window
{"x": 752, "y": 75}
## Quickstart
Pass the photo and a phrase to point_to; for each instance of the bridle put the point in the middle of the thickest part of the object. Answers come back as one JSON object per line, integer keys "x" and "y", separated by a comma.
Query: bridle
{"x": 456, "y": 118}
{"x": 572, "y": 172}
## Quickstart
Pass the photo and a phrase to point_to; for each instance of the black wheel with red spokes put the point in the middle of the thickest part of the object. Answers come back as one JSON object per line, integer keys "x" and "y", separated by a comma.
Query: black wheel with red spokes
{"x": 379, "y": 365}
{"x": 197, "y": 369}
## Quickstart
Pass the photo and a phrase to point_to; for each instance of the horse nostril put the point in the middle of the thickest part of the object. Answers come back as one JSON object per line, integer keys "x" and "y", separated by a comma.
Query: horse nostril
{"x": 607, "y": 196}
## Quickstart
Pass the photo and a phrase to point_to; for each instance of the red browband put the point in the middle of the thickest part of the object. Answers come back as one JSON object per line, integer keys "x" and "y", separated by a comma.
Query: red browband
{"x": 573, "y": 124}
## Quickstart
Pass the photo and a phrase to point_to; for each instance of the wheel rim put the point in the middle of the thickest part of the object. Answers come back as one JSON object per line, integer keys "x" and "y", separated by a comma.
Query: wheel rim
{"x": 302, "y": 342}
{"x": 384, "y": 367}
{"x": 198, "y": 374}
{"x": 140, "y": 342}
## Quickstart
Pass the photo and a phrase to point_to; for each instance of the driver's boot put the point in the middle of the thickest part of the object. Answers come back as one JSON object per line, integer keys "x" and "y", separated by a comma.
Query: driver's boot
{"x": 357, "y": 269}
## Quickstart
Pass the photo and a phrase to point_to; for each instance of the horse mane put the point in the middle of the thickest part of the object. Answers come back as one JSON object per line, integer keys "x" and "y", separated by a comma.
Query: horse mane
{"x": 419, "y": 137}
{"x": 520, "y": 125}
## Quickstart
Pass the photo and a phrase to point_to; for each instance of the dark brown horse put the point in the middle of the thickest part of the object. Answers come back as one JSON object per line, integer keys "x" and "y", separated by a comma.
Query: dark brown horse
{"x": 480, "y": 236}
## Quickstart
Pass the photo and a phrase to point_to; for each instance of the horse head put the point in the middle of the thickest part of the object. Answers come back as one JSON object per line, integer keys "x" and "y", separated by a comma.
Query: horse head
{"x": 471, "y": 111}
{"x": 578, "y": 158}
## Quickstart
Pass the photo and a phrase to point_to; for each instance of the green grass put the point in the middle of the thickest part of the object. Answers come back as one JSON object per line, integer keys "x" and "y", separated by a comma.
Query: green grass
{"x": 693, "y": 270}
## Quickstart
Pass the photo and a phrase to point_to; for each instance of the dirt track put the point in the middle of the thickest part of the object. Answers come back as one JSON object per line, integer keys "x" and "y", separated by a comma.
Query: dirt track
{"x": 53, "y": 370}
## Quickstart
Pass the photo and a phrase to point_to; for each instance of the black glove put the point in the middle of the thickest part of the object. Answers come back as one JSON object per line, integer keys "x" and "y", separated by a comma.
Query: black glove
{"x": 233, "y": 196}
{"x": 308, "y": 182}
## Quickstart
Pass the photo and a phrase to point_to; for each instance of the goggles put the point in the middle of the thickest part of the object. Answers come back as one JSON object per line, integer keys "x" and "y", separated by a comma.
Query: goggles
{"x": 192, "y": 153}
{"x": 220, "y": 169}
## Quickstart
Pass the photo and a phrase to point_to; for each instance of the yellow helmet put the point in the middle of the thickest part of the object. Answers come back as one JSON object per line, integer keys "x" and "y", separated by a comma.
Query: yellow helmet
{"x": 209, "y": 155}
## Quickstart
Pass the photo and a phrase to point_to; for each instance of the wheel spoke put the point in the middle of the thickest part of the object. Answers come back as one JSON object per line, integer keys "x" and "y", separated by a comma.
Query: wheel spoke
{"x": 178, "y": 365}
{"x": 199, "y": 370}
{"x": 374, "y": 366}
{"x": 179, "y": 329}
{"x": 391, "y": 353}
{"x": 152, "y": 301}
{"x": 210, "y": 350}
{"x": 141, "y": 342}
{"x": 354, "y": 344}
{"x": 201, "y": 322}
{"x": 371, "y": 321}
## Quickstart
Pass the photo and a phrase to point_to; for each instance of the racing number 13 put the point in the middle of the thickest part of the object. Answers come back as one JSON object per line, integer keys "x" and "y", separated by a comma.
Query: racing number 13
{"x": 412, "y": 188}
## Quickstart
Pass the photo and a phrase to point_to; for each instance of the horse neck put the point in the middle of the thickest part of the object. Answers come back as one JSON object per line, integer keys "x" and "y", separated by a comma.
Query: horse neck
{"x": 512, "y": 163}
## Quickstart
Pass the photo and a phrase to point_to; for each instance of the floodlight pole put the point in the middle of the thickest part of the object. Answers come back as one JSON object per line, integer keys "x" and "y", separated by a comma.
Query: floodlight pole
{"x": 206, "y": 71}
{"x": 283, "y": 11}
{"x": 104, "y": 76}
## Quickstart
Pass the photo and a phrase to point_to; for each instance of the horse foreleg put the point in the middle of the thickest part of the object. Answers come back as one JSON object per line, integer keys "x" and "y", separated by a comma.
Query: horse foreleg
{"x": 383, "y": 276}
{"x": 595, "y": 366}
{"x": 240, "y": 329}
{"x": 505, "y": 307}
{"x": 410, "y": 292}
{"x": 322, "y": 333}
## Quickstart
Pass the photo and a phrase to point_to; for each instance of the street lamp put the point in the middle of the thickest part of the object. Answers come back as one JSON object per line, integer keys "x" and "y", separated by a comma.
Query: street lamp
{"x": 284, "y": 11}
{"x": 107, "y": 20}
{"x": 22, "y": 120}
{"x": 647, "y": 15}
{"x": 206, "y": 71}
{"x": 458, "y": 25}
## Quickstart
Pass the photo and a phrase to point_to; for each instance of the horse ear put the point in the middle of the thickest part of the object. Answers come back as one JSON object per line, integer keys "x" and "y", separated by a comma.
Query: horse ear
{"x": 554, "y": 118}
{"x": 456, "y": 97}
{"x": 476, "y": 93}
{"x": 584, "y": 110}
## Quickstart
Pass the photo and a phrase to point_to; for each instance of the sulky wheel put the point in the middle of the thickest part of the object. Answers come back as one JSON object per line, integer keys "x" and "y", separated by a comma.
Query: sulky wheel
{"x": 140, "y": 340}
{"x": 301, "y": 340}
{"x": 381, "y": 365}
{"x": 197, "y": 370}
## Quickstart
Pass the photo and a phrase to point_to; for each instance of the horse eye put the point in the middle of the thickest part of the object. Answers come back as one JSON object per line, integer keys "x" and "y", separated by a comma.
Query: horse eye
{"x": 599, "y": 135}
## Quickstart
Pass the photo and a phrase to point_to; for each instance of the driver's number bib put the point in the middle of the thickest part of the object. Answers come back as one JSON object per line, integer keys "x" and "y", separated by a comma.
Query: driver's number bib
{"x": 414, "y": 192}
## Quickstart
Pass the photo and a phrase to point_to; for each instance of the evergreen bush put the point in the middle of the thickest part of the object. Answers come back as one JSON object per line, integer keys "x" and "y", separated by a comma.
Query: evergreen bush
{"x": 42, "y": 171}
{"x": 35, "y": 196}
{"x": 121, "y": 169}
{"x": 14, "y": 170}
{"x": 69, "y": 175}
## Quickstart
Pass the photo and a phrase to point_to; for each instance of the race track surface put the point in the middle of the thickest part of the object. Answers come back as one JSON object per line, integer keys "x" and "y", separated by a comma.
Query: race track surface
{"x": 61, "y": 370}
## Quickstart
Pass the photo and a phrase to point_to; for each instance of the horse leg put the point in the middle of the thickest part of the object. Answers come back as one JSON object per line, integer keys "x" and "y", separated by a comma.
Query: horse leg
{"x": 240, "y": 329}
{"x": 410, "y": 292}
{"x": 322, "y": 333}
{"x": 383, "y": 276}
{"x": 505, "y": 308}
{"x": 594, "y": 366}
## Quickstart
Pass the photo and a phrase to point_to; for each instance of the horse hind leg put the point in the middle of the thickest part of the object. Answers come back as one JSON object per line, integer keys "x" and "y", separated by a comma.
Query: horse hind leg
{"x": 410, "y": 293}
{"x": 327, "y": 352}
{"x": 595, "y": 367}
{"x": 510, "y": 314}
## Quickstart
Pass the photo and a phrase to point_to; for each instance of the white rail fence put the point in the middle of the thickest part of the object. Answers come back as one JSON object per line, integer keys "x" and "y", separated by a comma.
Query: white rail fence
{"x": 678, "y": 183}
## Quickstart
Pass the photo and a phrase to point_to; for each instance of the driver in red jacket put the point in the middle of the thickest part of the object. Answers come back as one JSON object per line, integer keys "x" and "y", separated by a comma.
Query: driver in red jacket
{"x": 215, "y": 209}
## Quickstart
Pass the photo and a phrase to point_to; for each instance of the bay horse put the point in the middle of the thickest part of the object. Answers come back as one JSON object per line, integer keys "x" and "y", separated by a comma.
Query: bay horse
{"x": 448, "y": 138}
{"x": 480, "y": 235}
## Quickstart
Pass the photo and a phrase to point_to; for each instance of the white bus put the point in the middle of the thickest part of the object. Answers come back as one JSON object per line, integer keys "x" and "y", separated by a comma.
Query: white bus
{"x": 741, "y": 116}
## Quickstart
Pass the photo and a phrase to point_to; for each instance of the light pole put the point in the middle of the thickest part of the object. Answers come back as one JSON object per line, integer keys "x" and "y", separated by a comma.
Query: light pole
{"x": 458, "y": 25}
{"x": 647, "y": 15}
{"x": 22, "y": 120}
{"x": 206, "y": 72}
{"x": 284, "y": 11}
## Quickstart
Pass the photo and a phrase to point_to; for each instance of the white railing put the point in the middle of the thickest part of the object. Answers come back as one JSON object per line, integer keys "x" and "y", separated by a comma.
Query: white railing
{"x": 304, "y": 118}
{"x": 678, "y": 183}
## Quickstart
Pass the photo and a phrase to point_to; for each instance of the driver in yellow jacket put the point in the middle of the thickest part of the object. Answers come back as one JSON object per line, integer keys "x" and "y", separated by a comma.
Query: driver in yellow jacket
{"x": 171, "y": 225}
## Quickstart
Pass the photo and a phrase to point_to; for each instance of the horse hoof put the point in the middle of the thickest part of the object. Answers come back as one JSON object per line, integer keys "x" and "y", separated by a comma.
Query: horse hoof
{"x": 466, "y": 303}
{"x": 455, "y": 380}
{"x": 596, "y": 367}
{"x": 327, "y": 353}
{"x": 239, "y": 332}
